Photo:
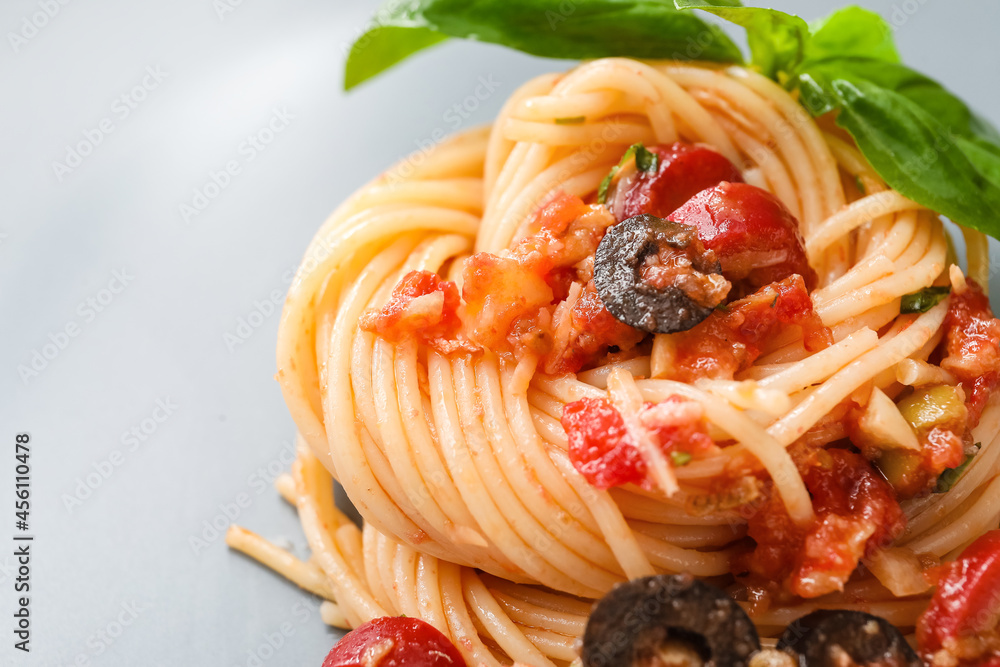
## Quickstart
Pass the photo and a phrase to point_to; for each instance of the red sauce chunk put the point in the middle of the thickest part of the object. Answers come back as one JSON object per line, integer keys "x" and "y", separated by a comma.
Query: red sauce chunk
{"x": 504, "y": 303}
{"x": 683, "y": 170}
{"x": 603, "y": 450}
{"x": 540, "y": 299}
{"x": 588, "y": 333}
{"x": 422, "y": 305}
{"x": 563, "y": 232}
{"x": 755, "y": 237}
{"x": 972, "y": 347}
{"x": 600, "y": 447}
{"x": 943, "y": 448}
{"x": 730, "y": 339}
{"x": 856, "y": 514}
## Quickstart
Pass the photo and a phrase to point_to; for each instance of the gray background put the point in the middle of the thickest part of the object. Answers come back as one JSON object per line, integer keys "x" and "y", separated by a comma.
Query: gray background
{"x": 125, "y": 553}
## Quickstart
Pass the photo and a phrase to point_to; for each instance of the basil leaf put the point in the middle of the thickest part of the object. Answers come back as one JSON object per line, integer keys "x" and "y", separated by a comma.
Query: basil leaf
{"x": 909, "y": 129}
{"x": 602, "y": 190}
{"x": 924, "y": 91}
{"x": 777, "y": 40}
{"x": 701, "y": 4}
{"x": 579, "y": 29}
{"x": 644, "y": 159}
{"x": 924, "y": 141}
{"x": 780, "y": 42}
{"x": 973, "y": 136}
{"x": 392, "y": 44}
{"x": 983, "y": 155}
{"x": 924, "y": 300}
{"x": 851, "y": 31}
{"x": 950, "y": 476}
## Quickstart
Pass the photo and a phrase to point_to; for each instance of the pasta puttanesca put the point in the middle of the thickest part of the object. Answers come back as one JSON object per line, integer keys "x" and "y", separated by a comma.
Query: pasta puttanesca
{"x": 475, "y": 518}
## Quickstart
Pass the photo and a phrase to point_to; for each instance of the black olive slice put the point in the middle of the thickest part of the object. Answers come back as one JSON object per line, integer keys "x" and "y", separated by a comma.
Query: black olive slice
{"x": 821, "y": 639}
{"x": 656, "y": 275}
{"x": 674, "y": 619}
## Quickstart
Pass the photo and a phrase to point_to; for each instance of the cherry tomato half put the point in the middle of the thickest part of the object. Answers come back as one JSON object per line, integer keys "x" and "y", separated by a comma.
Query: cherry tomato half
{"x": 966, "y": 603}
{"x": 394, "y": 641}
{"x": 755, "y": 237}
{"x": 683, "y": 170}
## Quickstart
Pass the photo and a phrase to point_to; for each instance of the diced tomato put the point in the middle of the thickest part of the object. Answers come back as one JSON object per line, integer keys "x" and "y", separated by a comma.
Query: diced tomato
{"x": 731, "y": 338}
{"x": 395, "y": 641}
{"x": 856, "y": 514}
{"x": 560, "y": 280}
{"x": 421, "y": 305}
{"x": 844, "y": 485}
{"x": 754, "y": 236}
{"x": 605, "y": 453}
{"x": 676, "y": 425}
{"x": 592, "y": 331}
{"x": 600, "y": 447}
{"x": 972, "y": 347}
{"x": 943, "y": 448}
{"x": 564, "y": 232}
{"x": 497, "y": 291}
{"x": 965, "y": 607}
{"x": 683, "y": 170}
{"x": 558, "y": 213}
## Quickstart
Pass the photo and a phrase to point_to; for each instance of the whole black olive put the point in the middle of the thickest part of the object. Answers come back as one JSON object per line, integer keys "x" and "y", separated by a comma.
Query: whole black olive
{"x": 675, "y": 619}
{"x": 656, "y": 275}
{"x": 823, "y": 637}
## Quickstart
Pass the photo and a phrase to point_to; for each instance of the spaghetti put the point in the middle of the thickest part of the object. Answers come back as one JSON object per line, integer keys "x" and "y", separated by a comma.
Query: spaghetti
{"x": 476, "y": 517}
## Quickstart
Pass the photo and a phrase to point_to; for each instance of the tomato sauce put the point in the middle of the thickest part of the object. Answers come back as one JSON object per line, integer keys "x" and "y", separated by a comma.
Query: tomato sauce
{"x": 856, "y": 514}
{"x": 603, "y": 450}
{"x": 422, "y": 305}
{"x": 592, "y": 332}
{"x": 972, "y": 347}
{"x": 731, "y": 339}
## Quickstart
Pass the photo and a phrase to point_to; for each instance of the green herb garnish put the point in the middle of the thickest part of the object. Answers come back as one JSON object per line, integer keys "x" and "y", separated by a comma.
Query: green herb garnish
{"x": 680, "y": 458}
{"x": 645, "y": 160}
{"x": 924, "y": 300}
{"x": 947, "y": 479}
{"x": 922, "y": 139}
{"x": 576, "y": 30}
{"x": 571, "y": 120}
